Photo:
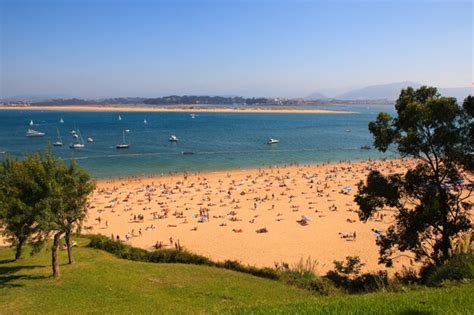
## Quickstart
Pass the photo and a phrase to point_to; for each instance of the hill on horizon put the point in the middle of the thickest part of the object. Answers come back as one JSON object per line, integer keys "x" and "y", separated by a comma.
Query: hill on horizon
{"x": 316, "y": 96}
{"x": 391, "y": 91}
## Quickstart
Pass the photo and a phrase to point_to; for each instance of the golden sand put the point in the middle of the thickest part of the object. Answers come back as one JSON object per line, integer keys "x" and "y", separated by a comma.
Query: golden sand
{"x": 177, "y": 108}
{"x": 217, "y": 214}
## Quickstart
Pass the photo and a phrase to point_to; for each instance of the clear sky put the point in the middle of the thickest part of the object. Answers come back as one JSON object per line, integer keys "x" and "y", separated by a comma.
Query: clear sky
{"x": 287, "y": 48}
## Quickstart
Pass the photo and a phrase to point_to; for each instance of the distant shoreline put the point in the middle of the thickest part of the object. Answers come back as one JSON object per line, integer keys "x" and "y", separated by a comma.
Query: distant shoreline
{"x": 177, "y": 108}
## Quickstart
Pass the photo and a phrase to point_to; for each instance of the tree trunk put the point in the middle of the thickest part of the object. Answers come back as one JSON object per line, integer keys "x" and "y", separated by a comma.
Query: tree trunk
{"x": 54, "y": 255}
{"x": 445, "y": 245}
{"x": 67, "y": 237}
{"x": 445, "y": 240}
{"x": 19, "y": 249}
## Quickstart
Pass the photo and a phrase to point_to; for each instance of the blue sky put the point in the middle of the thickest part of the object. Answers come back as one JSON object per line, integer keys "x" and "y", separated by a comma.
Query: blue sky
{"x": 288, "y": 48}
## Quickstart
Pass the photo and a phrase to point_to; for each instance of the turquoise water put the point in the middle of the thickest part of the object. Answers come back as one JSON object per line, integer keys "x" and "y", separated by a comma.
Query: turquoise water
{"x": 218, "y": 140}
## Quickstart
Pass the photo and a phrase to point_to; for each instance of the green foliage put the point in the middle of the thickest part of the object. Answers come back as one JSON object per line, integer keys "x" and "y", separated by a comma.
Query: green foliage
{"x": 431, "y": 207}
{"x": 351, "y": 267}
{"x": 457, "y": 268}
{"x": 346, "y": 275}
{"x": 24, "y": 191}
{"x": 40, "y": 195}
{"x": 303, "y": 275}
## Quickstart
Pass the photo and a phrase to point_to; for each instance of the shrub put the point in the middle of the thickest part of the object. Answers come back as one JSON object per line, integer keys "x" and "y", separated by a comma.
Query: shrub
{"x": 303, "y": 275}
{"x": 346, "y": 276}
{"x": 457, "y": 268}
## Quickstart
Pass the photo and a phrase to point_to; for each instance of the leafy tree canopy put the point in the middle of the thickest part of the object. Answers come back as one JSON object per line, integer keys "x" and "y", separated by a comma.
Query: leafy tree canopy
{"x": 431, "y": 201}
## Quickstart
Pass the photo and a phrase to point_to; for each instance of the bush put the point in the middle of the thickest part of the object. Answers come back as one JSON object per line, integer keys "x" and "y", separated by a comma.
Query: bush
{"x": 457, "y": 268}
{"x": 303, "y": 275}
{"x": 346, "y": 276}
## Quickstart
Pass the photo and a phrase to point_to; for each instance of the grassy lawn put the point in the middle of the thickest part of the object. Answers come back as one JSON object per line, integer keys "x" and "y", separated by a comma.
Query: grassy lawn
{"x": 101, "y": 283}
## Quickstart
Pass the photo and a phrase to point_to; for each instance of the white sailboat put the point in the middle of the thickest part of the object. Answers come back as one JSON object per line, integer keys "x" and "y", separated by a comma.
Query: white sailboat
{"x": 119, "y": 117}
{"x": 78, "y": 144}
{"x": 145, "y": 122}
{"x": 123, "y": 145}
{"x": 31, "y": 123}
{"x": 61, "y": 121}
{"x": 59, "y": 142}
{"x": 73, "y": 132}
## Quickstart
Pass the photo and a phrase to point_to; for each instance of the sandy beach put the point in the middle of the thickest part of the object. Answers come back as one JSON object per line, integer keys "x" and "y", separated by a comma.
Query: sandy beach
{"x": 256, "y": 216}
{"x": 220, "y": 214}
{"x": 177, "y": 108}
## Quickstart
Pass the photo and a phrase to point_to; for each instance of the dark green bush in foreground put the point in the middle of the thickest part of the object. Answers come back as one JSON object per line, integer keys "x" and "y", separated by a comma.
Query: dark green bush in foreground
{"x": 458, "y": 268}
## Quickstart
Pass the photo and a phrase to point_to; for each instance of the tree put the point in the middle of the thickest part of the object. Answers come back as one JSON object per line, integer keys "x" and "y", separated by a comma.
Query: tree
{"x": 65, "y": 207}
{"x": 77, "y": 186}
{"x": 41, "y": 197}
{"x": 21, "y": 192}
{"x": 430, "y": 203}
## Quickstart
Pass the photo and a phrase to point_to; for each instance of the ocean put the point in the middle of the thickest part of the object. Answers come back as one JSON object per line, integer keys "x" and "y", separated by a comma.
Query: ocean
{"x": 218, "y": 141}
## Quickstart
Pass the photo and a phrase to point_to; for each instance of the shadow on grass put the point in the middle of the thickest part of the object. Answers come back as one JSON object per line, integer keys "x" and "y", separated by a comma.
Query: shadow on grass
{"x": 6, "y": 261}
{"x": 7, "y": 275}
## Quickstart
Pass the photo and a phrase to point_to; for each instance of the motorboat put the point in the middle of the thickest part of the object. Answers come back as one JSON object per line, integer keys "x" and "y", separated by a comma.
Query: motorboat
{"x": 90, "y": 140}
{"x": 34, "y": 133}
{"x": 365, "y": 147}
{"x": 173, "y": 138}
{"x": 76, "y": 145}
{"x": 273, "y": 141}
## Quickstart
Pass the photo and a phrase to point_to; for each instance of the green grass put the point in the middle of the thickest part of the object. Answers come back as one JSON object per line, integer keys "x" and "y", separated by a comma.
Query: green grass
{"x": 101, "y": 283}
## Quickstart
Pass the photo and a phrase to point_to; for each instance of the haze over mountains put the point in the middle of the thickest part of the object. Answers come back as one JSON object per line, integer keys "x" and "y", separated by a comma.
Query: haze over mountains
{"x": 390, "y": 91}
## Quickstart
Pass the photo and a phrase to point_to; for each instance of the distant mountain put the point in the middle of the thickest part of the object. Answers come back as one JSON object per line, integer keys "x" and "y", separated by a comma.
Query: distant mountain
{"x": 316, "y": 96}
{"x": 389, "y": 91}
{"x": 459, "y": 93}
